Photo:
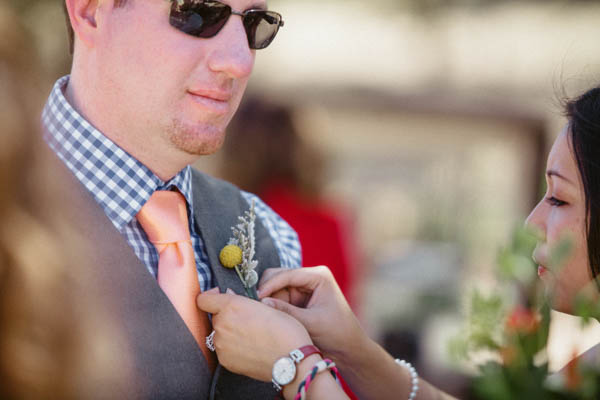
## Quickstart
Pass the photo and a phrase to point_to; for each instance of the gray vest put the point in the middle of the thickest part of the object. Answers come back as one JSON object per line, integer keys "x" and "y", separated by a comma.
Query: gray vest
{"x": 167, "y": 361}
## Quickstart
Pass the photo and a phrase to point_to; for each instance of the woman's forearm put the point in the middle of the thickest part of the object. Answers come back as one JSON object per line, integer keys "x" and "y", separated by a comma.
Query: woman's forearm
{"x": 372, "y": 373}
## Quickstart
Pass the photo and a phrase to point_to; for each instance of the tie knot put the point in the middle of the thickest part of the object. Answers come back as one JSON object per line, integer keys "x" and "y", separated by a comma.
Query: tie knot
{"x": 164, "y": 217}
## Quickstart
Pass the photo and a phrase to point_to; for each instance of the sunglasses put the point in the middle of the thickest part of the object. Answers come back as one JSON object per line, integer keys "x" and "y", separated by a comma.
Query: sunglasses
{"x": 205, "y": 19}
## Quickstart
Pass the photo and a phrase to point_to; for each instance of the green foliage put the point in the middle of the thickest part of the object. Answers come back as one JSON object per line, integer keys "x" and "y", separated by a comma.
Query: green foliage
{"x": 561, "y": 251}
{"x": 516, "y": 334}
{"x": 514, "y": 261}
{"x": 586, "y": 308}
{"x": 486, "y": 315}
{"x": 497, "y": 382}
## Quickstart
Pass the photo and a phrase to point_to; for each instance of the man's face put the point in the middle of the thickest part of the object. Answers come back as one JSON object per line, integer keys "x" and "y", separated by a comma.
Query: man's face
{"x": 170, "y": 93}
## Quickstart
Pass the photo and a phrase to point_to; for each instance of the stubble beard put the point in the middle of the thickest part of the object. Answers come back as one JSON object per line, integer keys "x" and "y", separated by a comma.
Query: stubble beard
{"x": 199, "y": 139}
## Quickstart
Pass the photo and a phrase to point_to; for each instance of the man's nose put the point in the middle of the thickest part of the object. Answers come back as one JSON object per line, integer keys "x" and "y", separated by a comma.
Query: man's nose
{"x": 232, "y": 54}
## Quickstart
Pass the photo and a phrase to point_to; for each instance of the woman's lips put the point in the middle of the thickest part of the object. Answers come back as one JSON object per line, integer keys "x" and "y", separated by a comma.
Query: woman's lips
{"x": 539, "y": 257}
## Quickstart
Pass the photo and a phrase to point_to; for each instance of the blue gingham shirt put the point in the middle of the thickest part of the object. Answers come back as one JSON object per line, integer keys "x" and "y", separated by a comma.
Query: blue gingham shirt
{"x": 121, "y": 185}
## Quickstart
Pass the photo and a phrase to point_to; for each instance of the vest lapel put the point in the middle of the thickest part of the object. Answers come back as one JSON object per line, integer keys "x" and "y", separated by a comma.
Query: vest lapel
{"x": 217, "y": 206}
{"x": 167, "y": 361}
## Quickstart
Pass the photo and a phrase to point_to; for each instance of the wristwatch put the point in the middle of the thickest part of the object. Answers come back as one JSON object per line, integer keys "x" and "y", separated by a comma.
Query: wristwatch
{"x": 284, "y": 369}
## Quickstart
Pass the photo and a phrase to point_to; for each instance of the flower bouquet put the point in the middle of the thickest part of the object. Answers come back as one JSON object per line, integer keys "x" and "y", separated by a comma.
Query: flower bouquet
{"x": 511, "y": 326}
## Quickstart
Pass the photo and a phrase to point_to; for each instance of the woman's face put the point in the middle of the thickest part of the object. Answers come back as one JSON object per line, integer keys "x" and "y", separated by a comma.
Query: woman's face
{"x": 560, "y": 217}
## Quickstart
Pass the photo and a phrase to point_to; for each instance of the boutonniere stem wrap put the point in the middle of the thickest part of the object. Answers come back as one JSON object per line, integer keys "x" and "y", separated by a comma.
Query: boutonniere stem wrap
{"x": 239, "y": 252}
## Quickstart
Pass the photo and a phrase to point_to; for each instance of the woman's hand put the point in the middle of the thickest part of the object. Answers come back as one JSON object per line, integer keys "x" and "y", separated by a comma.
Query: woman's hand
{"x": 312, "y": 296}
{"x": 249, "y": 336}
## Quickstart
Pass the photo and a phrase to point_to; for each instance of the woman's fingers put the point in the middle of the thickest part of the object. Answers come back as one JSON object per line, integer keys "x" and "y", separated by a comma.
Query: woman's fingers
{"x": 268, "y": 274}
{"x": 303, "y": 279}
{"x": 296, "y": 312}
{"x": 283, "y": 295}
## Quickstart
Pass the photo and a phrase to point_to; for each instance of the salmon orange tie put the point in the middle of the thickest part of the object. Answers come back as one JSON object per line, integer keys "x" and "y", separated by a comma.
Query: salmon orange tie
{"x": 164, "y": 219}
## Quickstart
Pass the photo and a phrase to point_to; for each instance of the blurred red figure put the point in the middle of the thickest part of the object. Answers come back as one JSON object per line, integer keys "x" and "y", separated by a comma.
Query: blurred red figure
{"x": 323, "y": 230}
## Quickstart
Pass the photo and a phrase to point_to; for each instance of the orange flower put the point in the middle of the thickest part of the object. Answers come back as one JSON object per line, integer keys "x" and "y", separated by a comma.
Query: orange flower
{"x": 572, "y": 375}
{"x": 508, "y": 354}
{"x": 522, "y": 320}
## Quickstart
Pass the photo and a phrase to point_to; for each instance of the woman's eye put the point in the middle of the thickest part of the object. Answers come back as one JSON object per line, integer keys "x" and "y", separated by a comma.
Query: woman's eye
{"x": 553, "y": 201}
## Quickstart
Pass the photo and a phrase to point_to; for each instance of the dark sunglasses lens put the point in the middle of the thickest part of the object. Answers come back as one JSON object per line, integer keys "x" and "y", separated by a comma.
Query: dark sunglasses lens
{"x": 261, "y": 27}
{"x": 199, "y": 18}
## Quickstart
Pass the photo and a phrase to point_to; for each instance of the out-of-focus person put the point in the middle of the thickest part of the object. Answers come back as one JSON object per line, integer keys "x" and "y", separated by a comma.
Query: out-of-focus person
{"x": 266, "y": 154}
{"x": 52, "y": 333}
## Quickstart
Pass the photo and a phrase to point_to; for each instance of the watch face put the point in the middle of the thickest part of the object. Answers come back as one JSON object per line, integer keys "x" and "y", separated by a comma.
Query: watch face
{"x": 284, "y": 371}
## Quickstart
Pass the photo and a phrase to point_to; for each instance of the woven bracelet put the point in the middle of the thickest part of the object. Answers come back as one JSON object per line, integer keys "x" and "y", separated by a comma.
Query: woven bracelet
{"x": 320, "y": 366}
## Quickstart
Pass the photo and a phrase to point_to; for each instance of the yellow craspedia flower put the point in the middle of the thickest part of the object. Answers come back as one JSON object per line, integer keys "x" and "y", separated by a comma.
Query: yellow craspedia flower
{"x": 231, "y": 255}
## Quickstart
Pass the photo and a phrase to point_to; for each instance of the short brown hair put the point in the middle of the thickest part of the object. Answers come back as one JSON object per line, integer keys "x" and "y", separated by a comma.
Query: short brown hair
{"x": 70, "y": 33}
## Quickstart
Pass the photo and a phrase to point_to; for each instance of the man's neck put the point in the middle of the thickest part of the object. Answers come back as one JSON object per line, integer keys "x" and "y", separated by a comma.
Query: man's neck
{"x": 82, "y": 99}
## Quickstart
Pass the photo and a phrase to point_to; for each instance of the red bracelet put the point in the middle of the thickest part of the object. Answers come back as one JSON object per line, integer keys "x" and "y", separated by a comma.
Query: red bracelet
{"x": 303, "y": 352}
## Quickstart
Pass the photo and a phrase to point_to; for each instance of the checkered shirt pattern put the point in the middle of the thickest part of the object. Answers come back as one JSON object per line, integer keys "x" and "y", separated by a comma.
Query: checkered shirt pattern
{"x": 121, "y": 185}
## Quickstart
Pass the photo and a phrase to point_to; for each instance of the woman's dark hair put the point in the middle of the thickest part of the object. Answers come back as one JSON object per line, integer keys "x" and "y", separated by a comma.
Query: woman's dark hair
{"x": 583, "y": 113}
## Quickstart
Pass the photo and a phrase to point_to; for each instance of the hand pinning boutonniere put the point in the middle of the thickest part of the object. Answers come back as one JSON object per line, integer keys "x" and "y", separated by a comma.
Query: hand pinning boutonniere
{"x": 239, "y": 252}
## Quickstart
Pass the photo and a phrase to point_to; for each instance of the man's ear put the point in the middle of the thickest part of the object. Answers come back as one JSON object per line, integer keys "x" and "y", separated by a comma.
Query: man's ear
{"x": 82, "y": 14}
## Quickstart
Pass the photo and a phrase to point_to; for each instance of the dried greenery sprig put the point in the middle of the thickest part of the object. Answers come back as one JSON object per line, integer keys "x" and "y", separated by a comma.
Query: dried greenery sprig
{"x": 239, "y": 252}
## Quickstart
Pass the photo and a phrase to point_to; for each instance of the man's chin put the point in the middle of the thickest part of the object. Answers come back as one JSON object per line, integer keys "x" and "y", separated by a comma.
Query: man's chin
{"x": 197, "y": 140}
{"x": 200, "y": 149}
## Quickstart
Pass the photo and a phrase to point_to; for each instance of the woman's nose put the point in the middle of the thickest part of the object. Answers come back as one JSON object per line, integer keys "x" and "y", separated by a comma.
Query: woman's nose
{"x": 536, "y": 223}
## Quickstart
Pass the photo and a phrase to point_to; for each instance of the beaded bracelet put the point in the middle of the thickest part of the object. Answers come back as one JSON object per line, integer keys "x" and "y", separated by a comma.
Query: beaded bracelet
{"x": 414, "y": 378}
{"x": 320, "y": 366}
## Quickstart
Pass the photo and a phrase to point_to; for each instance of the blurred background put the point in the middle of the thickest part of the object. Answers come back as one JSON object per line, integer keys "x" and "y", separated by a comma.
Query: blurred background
{"x": 425, "y": 126}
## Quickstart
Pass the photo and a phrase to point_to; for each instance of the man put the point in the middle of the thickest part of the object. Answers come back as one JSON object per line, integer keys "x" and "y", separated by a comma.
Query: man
{"x": 153, "y": 85}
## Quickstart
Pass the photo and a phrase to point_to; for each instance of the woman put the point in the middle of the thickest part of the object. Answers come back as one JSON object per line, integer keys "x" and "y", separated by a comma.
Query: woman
{"x": 570, "y": 208}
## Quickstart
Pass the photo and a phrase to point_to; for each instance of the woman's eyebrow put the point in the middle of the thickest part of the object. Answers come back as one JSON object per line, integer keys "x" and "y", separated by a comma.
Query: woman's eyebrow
{"x": 551, "y": 173}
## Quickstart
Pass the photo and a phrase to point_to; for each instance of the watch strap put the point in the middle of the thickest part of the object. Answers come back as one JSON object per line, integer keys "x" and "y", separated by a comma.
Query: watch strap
{"x": 303, "y": 352}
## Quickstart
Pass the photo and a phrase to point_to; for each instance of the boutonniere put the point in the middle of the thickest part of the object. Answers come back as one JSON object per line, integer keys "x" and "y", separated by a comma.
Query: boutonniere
{"x": 239, "y": 252}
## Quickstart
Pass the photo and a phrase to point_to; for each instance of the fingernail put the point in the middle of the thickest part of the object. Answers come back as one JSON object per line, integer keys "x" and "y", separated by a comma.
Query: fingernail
{"x": 230, "y": 291}
{"x": 258, "y": 292}
{"x": 268, "y": 302}
{"x": 214, "y": 290}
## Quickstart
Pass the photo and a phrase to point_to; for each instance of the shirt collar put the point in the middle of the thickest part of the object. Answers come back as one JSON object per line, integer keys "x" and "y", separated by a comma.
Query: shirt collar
{"x": 117, "y": 181}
